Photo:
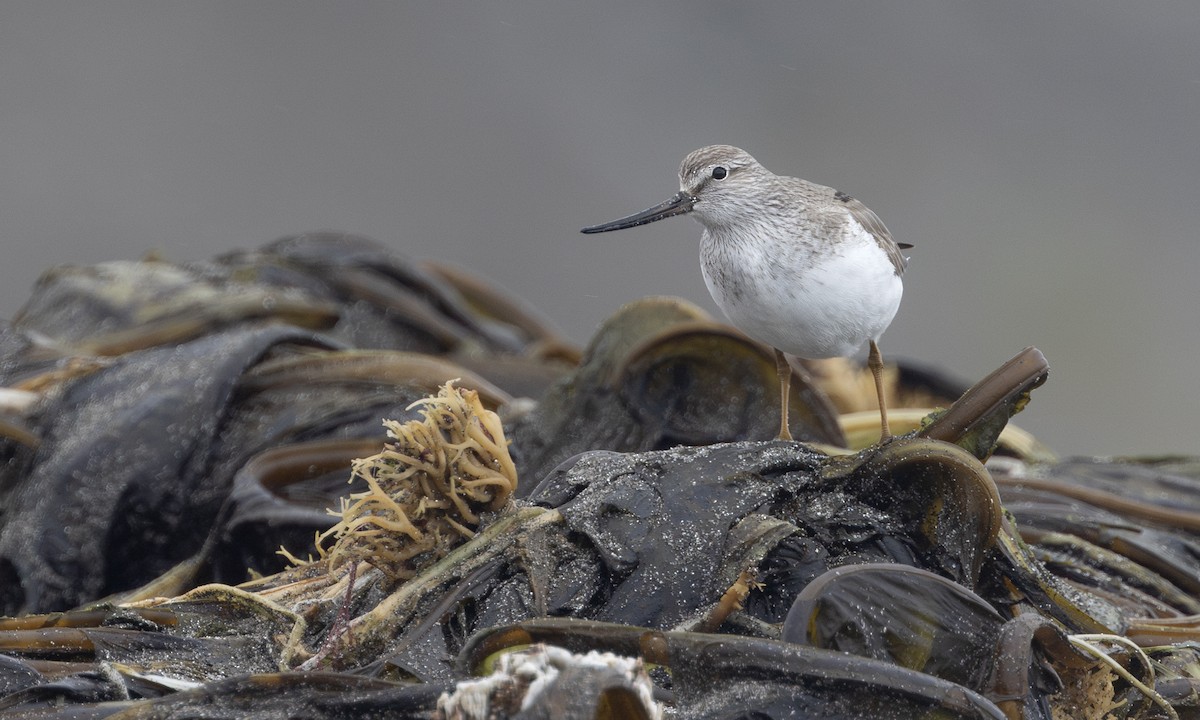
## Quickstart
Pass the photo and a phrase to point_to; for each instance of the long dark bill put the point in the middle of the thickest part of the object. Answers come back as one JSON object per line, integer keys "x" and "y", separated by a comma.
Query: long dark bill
{"x": 678, "y": 205}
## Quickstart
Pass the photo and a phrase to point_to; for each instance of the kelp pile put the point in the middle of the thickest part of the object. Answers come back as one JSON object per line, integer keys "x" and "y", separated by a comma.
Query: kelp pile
{"x": 166, "y": 428}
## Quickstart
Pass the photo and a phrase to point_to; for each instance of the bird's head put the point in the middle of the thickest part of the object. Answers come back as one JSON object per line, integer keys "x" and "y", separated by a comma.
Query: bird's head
{"x": 718, "y": 184}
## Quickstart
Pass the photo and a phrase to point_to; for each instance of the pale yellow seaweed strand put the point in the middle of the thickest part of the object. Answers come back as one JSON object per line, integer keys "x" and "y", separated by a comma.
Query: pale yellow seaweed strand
{"x": 495, "y": 449}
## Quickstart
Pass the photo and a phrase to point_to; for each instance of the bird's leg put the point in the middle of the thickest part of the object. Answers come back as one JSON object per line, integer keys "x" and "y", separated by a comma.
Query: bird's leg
{"x": 875, "y": 362}
{"x": 785, "y": 390}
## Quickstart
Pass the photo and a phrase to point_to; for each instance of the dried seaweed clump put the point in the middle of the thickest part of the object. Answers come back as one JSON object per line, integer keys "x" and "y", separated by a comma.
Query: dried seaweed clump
{"x": 427, "y": 489}
{"x": 1087, "y": 695}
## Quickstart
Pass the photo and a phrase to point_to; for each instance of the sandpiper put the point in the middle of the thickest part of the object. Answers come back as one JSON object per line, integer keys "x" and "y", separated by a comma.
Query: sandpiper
{"x": 802, "y": 267}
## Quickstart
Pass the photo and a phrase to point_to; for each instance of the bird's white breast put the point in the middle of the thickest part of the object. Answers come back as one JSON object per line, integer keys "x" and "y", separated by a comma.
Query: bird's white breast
{"x": 813, "y": 300}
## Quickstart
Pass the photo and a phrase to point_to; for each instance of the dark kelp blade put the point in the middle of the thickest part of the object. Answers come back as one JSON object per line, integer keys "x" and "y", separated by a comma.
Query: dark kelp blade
{"x": 899, "y": 614}
{"x": 975, "y": 420}
{"x": 705, "y": 383}
{"x": 942, "y": 492}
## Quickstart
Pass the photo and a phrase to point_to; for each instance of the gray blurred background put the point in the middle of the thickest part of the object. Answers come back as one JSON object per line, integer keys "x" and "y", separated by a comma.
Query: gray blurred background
{"x": 1043, "y": 157}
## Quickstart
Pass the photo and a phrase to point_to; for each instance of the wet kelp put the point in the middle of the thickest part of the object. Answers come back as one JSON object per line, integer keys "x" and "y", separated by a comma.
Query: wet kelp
{"x": 605, "y": 533}
{"x": 141, "y": 407}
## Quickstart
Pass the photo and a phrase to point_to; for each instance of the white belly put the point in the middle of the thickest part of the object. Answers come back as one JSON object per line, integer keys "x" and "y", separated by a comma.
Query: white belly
{"x": 822, "y": 311}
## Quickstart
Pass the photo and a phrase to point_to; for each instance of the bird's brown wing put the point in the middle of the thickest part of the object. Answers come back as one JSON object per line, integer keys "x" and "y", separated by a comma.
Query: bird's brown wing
{"x": 872, "y": 224}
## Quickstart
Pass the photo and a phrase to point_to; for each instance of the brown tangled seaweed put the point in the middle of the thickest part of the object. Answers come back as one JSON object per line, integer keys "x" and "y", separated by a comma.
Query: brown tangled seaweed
{"x": 426, "y": 490}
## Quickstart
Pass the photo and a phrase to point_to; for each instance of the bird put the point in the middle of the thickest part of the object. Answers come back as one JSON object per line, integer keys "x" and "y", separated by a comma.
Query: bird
{"x": 801, "y": 267}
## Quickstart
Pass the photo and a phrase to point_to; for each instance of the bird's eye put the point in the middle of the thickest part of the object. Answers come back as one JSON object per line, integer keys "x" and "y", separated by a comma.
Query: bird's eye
{"x": 719, "y": 173}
